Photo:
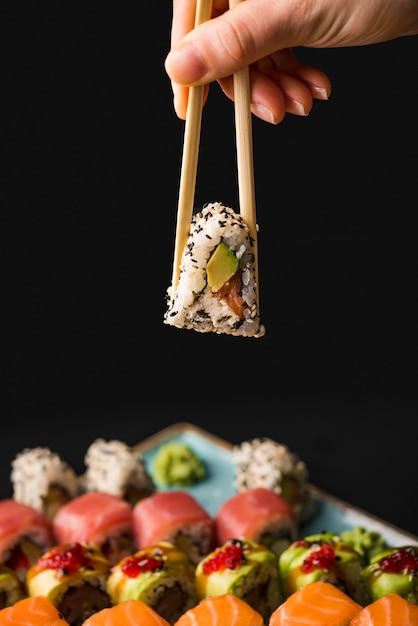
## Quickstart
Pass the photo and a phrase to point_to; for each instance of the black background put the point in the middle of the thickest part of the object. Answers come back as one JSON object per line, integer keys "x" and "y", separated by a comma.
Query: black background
{"x": 91, "y": 161}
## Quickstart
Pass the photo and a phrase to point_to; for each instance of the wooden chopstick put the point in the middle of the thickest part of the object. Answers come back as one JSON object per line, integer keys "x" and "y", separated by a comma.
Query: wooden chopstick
{"x": 244, "y": 148}
{"x": 189, "y": 159}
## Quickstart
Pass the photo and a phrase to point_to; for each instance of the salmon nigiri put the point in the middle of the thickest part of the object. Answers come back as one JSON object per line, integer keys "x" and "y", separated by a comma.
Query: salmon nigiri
{"x": 128, "y": 613}
{"x": 36, "y": 611}
{"x": 390, "y": 610}
{"x": 316, "y": 604}
{"x": 220, "y": 610}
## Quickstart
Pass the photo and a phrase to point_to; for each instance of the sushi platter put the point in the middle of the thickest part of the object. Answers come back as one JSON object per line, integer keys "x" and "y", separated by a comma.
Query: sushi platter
{"x": 331, "y": 513}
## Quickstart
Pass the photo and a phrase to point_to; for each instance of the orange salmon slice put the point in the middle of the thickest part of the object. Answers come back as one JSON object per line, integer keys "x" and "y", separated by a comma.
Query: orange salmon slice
{"x": 34, "y": 611}
{"x": 389, "y": 610}
{"x": 316, "y": 604}
{"x": 222, "y": 610}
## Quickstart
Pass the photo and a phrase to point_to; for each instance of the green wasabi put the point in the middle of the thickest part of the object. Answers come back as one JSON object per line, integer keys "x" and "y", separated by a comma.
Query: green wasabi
{"x": 176, "y": 464}
{"x": 367, "y": 543}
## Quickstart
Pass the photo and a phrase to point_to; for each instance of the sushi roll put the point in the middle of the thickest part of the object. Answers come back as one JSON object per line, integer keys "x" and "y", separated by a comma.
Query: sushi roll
{"x": 127, "y": 613}
{"x": 73, "y": 577}
{"x": 323, "y": 557}
{"x": 24, "y": 535}
{"x": 263, "y": 462}
{"x": 174, "y": 516}
{"x": 160, "y": 575}
{"x": 244, "y": 568}
{"x": 226, "y": 609}
{"x": 11, "y": 587}
{"x": 258, "y": 514}
{"x": 316, "y": 604}
{"x": 43, "y": 480}
{"x": 217, "y": 290}
{"x": 395, "y": 570}
{"x": 100, "y": 518}
{"x": 37, "y": 611}
{"x": 114, "y": 467}
{"x": 389, "y": 610}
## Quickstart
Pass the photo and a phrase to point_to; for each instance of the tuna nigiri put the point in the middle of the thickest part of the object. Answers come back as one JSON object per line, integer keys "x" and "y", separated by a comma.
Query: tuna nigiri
{"x": 258, "y": 514}
{"x": 128, "y": 613}
{"x": 24, "y": 535}
{"x": 174, "y": 516}
{"x": 316, "y": 604}
{"x": 100, "y": 518}
{"x": 390, "y": 610}
{"x": 219, "y": 611}
{"x": 37, "y": 611}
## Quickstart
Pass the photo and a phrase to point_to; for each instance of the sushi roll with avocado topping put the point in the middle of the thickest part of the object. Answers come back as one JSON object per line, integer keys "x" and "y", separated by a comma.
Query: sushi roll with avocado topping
{"x": 160, "y": 575}
{"x": 11, "y": 587}
{"x": 323, "y": 557}
{"x": 43, "y": 480}
{"x": 244, "y": 568}
{"x": 394, "y": 570}
{"x": 217, "y": 288}
{"x": 73, "y": 577}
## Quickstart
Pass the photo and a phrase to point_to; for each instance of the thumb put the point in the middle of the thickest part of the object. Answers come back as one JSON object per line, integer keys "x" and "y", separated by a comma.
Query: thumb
{"x": 250, "y": 31}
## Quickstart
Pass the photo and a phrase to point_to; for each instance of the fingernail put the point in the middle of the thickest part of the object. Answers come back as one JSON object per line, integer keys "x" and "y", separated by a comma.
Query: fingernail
{"x": 263, "y": 113}
{"x": 319, "y": 92}
{"x": 186, "y": 64}
{"x": 299, "y": 108}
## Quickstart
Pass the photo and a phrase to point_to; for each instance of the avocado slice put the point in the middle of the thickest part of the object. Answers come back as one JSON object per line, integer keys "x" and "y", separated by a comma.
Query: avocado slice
{"x": 221, "y": 266}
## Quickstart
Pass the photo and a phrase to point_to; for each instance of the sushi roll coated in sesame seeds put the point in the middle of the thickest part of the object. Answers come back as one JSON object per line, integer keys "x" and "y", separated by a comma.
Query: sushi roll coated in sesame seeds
{"x": 114, "y": 467}
{"x": 217, "y": 290}
{"x": 43, "y": 480}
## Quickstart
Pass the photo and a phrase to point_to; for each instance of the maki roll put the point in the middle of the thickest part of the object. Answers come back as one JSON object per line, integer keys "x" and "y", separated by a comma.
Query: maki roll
{"x": 394, "y": 570}
{"x": 100, "y": 518}
{"x": 217, "y": 290}
{"x": 11, "y": 587}
{"x": 258, "y": 514}
{"x": 245, "y": 569}
{"x": 174, "y": 516}
{"x": 160, "y": 575}
{"x": 323, "y": 557}
{"x": 114, "y": 467}
{"x": 73, "y": 577}
{"x": 43, "y": 480}
{"x": 263, "y": 462}
{"x": 24, "y": 535}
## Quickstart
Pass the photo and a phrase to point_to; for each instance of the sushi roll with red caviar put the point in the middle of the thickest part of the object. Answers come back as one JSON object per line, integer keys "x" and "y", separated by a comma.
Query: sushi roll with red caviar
{"x": 160, "y": 575}
{"x": 100, "y": 518}
{"x": 244, "y": 568}
{"x": 11, "y": 587}
{"x": 323, "y": 557}
{"x": 25, "y": 534}
{"x": 258, "y": 514}
{"x": 394, "y": 571}
{"x": 73, "y": 577}
{"x": 217, "y": 286}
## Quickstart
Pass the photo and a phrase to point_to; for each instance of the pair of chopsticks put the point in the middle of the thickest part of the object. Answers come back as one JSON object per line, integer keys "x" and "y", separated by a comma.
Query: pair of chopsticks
{"x": 244, "y": 148}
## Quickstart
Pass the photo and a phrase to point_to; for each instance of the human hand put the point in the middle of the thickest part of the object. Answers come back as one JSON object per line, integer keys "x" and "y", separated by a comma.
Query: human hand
{"x": 262, "y": 34}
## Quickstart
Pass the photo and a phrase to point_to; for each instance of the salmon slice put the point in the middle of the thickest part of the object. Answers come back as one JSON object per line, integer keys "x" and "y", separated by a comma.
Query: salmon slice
{"x": 36, "y": 611}
{"x": 316, "y": 604}
{"x": 226, "y": 609}
{"x": 125, "y": 613}
{"x": 389, "y": 610}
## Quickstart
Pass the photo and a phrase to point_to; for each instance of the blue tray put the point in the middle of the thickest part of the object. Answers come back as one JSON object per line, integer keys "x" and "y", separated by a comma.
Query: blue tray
{"x": 332, "y": 514}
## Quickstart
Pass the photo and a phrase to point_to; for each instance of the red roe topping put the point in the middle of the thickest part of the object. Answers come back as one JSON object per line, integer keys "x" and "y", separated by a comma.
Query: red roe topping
{"x": 323, "y": 558}
{"x": 69, "y": 558}
{"x": 231, "y": 556}
{"x": 135, "y": 565}
{"x": 402, "y": 561}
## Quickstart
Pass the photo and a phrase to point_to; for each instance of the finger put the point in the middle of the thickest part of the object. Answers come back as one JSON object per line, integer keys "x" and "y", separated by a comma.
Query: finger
{"x": 181, "y": 98}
